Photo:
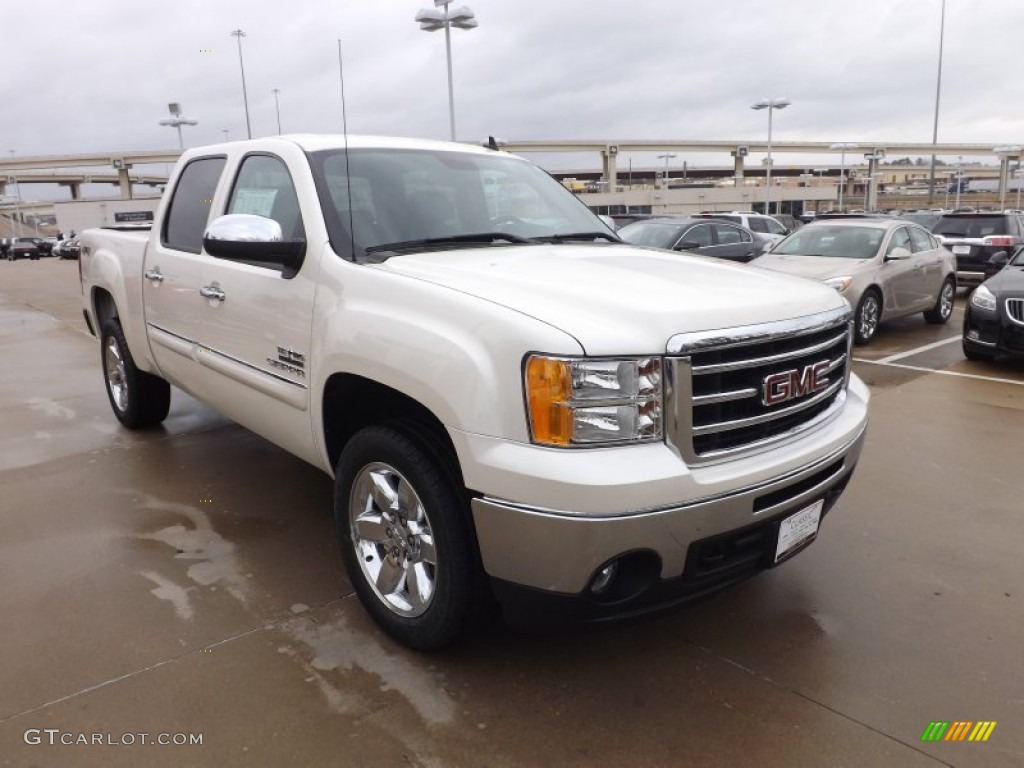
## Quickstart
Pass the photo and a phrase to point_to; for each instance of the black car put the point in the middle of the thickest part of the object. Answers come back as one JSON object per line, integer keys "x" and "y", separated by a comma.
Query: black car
{"x": 708, "y": 237}
{"x": 974, "y": 238}
{"x": 994, "y": 319}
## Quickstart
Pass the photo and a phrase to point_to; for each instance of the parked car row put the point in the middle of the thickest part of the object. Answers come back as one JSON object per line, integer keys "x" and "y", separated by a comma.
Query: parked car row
{"x": 14, "y": 248}
{"x": 885, "y": 267}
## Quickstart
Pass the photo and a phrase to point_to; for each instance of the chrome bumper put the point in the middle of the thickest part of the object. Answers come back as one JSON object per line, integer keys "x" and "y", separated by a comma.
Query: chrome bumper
{"x": 560, "y": 552}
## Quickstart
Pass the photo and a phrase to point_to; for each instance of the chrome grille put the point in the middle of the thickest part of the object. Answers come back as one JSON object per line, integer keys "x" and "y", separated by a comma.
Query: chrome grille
{"x": 1015, "y": 309}
{"x": 745, "y": 389}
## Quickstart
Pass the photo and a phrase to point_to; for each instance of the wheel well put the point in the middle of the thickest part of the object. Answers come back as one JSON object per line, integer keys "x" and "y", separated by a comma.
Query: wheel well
{"x": 104, "y": 307}
{"x": 353, "y": 402}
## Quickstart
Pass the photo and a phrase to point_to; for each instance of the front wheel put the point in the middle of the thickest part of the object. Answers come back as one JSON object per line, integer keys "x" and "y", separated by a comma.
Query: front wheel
{"x": 943, "y": 308}
{"x": 403, "y": 525}
{"x": 867, "y": 316}
{"x": 139, "y": 399}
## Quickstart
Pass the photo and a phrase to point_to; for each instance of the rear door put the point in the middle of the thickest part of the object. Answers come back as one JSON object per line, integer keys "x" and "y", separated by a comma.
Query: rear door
{"x": 733, "y": 242}
{"x": 904, "y": 283}
{"x": 929, "y": 254}
{"x": 173, "y": 269}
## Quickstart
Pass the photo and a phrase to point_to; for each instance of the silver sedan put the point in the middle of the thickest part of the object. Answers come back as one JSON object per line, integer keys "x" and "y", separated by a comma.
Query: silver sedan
{"x": 885, "y": 268}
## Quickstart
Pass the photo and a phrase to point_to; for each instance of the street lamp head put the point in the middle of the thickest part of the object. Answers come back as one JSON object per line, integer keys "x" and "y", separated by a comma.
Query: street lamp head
{"x": 779, "y": 103}
{"x": 431, "y": 19}
{"x": 238, "y": 33}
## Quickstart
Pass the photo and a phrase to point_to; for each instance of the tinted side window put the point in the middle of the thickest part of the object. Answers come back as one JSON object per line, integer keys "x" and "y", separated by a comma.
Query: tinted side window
{"x": 264, "y": 188}
{"x": 757, "y": 225}
{"x": 922, "y": 240}
{"x": 900, "y": 239}
{"x": 773, "y": 227}
{"x": 729, "y": 235}
{"x": 700, "y": 234}
{"x": 190, "y": 207}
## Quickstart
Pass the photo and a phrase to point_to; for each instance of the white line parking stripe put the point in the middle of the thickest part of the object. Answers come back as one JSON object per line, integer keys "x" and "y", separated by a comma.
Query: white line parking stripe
{"x": 917, "y": 350}
{"x": 943, "y": 373}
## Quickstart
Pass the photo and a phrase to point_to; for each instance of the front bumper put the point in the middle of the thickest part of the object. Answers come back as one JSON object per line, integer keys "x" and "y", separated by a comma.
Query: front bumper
{"x": 993, "y": 332}
{"x": 669, "y": 555}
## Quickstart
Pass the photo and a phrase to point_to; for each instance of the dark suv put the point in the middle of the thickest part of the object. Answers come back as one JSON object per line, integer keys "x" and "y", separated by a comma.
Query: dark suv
{"x": 975, "y": 238}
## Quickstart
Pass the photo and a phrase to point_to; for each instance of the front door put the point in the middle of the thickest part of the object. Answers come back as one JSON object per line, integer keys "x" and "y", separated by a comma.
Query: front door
{"x": 254, "y": 326}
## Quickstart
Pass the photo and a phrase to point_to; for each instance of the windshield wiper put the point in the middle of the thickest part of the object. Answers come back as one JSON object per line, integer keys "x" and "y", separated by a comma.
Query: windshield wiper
{"x": 485, "y": 238}
{"x": 580, "y": 236}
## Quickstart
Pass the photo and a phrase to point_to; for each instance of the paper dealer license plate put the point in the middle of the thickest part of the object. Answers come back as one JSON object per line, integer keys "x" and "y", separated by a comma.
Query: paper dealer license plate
{"x": 798, "y": 528}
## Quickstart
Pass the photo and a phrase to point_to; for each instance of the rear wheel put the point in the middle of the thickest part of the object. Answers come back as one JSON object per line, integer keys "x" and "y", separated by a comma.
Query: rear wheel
{"x": 405, "y": 537}
{"x": 867, "y": 316}
{"x": 139, "y": 399}
{"x": 943, "y": 308}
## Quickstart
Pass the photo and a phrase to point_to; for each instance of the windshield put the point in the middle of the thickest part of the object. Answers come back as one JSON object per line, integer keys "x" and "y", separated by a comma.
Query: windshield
{"x": 403, "y": 197}
{"x": 836, "y": 240}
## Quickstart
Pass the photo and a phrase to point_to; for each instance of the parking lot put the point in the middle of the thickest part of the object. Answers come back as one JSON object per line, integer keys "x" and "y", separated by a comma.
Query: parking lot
{"x": 186, "y": 582}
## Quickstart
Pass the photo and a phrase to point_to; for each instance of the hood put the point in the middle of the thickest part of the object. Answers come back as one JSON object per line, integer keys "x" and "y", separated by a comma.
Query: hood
{"x": 1007, "y": 280}
{"x": 617, "y": 299}
{"x": 816, "y": 267}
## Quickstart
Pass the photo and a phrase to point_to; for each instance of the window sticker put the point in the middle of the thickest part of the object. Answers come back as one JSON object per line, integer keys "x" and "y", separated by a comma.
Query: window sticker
{"x": 258, "y": 202}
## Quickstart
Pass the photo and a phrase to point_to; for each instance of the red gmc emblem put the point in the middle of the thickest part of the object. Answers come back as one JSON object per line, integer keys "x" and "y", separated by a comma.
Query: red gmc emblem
{"x": 787, "y": 385}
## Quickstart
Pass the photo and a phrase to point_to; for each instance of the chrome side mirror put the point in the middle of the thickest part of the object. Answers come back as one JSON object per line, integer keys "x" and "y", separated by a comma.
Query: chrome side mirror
{"x": 255, "y": 240}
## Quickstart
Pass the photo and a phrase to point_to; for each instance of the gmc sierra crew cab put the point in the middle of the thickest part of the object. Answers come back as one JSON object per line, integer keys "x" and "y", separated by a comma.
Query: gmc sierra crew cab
{"x": 512, "y": 403}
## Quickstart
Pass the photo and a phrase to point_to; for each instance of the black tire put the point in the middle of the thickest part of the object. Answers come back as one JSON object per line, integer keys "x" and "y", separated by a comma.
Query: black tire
{"x": 138, "y": 399}
{"x": 867, "y": 316}
{"x": 943, "y": 309}
{"x": 389, "y": 554}
{"x": 977, "y": 356}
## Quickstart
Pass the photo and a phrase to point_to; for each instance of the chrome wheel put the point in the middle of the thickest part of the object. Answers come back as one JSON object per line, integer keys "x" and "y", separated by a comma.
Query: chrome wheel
{"x": 393, "y": 539}
{"x": 867, "y": 317}
{"x": 113, "y": 365}
{"x": 946, "y": 300}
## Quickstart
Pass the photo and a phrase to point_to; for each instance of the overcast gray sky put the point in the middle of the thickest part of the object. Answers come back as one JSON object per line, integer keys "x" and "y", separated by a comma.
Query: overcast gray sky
{"x": 98, "y": 75}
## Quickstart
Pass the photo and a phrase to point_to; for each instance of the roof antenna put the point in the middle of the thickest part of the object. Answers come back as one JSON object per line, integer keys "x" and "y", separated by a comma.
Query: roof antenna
{"x": 348, "y": 176}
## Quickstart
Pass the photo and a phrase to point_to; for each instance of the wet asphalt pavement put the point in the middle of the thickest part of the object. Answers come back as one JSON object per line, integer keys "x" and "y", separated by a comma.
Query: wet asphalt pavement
{"x": 185, "y": 582}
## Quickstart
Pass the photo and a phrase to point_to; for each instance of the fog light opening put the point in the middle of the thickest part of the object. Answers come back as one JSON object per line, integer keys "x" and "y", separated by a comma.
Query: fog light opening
{"x": 604, "y": 577}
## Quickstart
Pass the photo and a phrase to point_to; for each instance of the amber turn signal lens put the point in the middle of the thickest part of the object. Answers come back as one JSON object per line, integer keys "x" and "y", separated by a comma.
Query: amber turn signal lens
{"x": 549, "y": 388}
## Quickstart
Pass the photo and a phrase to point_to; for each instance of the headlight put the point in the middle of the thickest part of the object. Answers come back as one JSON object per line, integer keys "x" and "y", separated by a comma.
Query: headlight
{"x": 839, "y": 283}
{"x": 593, "y": 402}
{"x": 982, "y": 298}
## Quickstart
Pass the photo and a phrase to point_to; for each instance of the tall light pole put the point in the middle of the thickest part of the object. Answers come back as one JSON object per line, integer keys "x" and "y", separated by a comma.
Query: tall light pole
{"x": 959, "y": 180}
{"x": 277, "y": 106}
{"x": 238, "y": 35}
{"x": 225, "y": 132}
{"x": 668, "y": 156}
{"x": 1017, "y": 175}
{"x": 17, "y": 200}
{"x": 938, "y": 92}
{"x": 1006, "y": 154}
{"x": 842, "y": 146}
{"x": 431, "y": 20}
{"x": 176, "y": 120}
{"x": 771, "y": 105}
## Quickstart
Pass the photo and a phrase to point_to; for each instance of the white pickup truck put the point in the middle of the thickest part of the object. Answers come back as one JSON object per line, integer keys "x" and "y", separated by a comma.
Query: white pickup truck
{"x": 512, "y": 403}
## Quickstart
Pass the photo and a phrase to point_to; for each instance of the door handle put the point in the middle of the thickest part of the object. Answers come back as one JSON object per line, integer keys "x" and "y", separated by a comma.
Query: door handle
{"x": 212, "y": 291}
{"x": 154, "y": 274}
